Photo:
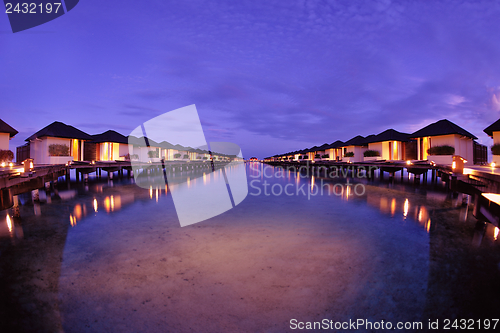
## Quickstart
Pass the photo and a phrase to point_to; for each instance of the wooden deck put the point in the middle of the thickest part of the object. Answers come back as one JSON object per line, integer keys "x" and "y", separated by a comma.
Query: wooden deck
{"x": 14, "y": 181}
{"x": 474, "y": 181}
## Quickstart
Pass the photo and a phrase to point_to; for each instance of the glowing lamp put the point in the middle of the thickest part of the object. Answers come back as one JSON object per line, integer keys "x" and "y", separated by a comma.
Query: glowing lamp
{"x": 3, "y": 164}
{"x": 454, "y": 165}
{"x": 28, "y": 164}
{"x": 493, "y": 164}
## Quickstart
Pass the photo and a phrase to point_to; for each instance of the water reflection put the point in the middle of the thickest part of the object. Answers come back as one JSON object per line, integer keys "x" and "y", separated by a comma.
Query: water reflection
{"x": 393, "y": 206}
{"x": 11, "y": 229}
{"x": 405, "y": 208}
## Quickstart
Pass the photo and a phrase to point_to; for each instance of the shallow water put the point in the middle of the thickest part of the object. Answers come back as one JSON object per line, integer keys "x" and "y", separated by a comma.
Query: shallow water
{"x": 111, "y": 256}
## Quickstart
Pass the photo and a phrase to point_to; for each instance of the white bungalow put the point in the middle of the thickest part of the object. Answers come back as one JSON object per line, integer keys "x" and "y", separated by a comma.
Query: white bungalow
{"x": 107, "y": 146}
{"x": 494, "y": 132}
{"x": 442, "y": 133}
{"x": 144, "y": 149}
{"x": 6, "y": 133}
{"x": 356, "y": 146}
{"x": 390, "y": 144}
{"x": 57, "y": 143}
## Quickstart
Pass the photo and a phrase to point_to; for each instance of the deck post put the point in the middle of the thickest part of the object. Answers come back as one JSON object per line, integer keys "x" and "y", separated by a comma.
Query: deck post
{"x": 35, "y": 195}
{"x": 15, "y": 207}
{"x": 86, "y": 178}
{"x": 110, "y": 174}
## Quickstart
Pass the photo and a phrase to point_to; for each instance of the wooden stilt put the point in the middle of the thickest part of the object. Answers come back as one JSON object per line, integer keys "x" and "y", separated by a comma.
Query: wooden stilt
{"x": 15, "y": 207}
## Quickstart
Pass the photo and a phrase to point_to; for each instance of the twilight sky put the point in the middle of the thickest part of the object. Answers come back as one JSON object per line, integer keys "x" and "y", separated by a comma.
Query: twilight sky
{"x": 271, "y": 76}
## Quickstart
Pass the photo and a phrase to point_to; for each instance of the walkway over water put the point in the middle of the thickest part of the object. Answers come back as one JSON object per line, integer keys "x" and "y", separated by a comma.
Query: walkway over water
{"x": 14, "y": 180}
{"x": 474, "y": 181}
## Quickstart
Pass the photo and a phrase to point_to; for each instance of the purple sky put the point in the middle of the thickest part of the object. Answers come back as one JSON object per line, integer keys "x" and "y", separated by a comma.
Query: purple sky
{"x": 271, "y": 76}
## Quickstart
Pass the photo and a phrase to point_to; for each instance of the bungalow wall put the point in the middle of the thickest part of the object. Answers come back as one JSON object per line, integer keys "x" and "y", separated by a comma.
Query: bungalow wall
{"x": 22, "y": 153}
{"x": 410, "y": 150}
{"x": 39, "y": 150}
{"x": 496, "y": 138}
{"x": 463, "y": 145}
{"x": 91, "y": 152}
{"x": 358, "y": 152}
{"x": 389, "y": 150}
{"x": 4, "y": 141}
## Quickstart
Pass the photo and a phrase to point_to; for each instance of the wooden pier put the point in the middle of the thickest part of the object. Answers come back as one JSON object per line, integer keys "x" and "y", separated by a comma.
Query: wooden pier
{"x": 14, "y": 180}
{"x": 481, "y": 185}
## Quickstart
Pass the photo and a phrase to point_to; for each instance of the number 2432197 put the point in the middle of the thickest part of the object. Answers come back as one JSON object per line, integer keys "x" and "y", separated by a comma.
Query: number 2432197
{"x": 32, "y": 8}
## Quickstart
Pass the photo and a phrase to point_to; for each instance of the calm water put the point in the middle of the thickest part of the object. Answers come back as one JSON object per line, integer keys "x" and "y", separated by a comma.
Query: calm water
{"x": 110, "y": 256}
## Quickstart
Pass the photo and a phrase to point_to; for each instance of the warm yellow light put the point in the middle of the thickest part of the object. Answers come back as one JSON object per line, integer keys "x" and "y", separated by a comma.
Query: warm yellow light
{"x": 9, "y": 223}
{"x": 428, "y": 225}
{"x": 95, "y": 205}
{"x": 495, "y": 197}
{"x": 77, "y": 212}
{"x": 493, "y": 164}
{"x": 157, "y": 194}
{"x": 408, "y": 162}
{"x": 406, "y": 207}
{"x": 107, "y": 204}
{"x": 11, "y": 164}
{"x": 112, "y": 203}
{"x": 150, "y": 192}
{"x": 454, "y": 165}
{"x": 495, "y": 233}
{"x": 393, "y": 206}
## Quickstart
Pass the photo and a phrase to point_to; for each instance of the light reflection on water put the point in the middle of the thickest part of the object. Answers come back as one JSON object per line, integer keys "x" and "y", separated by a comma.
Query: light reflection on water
{"x": 391, "y": 205}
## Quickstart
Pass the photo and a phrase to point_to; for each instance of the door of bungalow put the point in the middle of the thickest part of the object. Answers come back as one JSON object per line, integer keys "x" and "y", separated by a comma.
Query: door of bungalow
{"x": 76, "y": 147}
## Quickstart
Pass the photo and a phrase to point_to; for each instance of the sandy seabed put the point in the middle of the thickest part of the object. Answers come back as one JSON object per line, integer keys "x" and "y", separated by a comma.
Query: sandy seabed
{"x": 251, "y": 269}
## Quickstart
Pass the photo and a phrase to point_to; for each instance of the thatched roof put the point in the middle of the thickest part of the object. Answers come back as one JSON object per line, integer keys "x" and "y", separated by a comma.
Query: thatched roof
{"x": 495, "y": 127}
{"x": 442, "y": 127}
{"x": 388, "y": 135}
{"x": 60, "y": 130}
{"x": 336, "y": 144}
{"x": 6, "y": 128}
{"x": 110, "y": 136}
{"x": 356, "y": 141}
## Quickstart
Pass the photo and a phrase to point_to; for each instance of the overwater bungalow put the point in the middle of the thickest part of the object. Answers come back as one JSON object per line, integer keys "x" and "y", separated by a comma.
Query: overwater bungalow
{"x": 321, "y": 153}
{"x": 334, "y": 150}
{"x": 57, "y": 143}
{"x": 494, "y": 132}
{"x": 144, "y": 149}
{"x": 355, "y": 147}
{"x": 6, "y": 133}
{"x": 433, "y": 137}
{"x": 390, "y": 145}
{"x": 107, "y": 146}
